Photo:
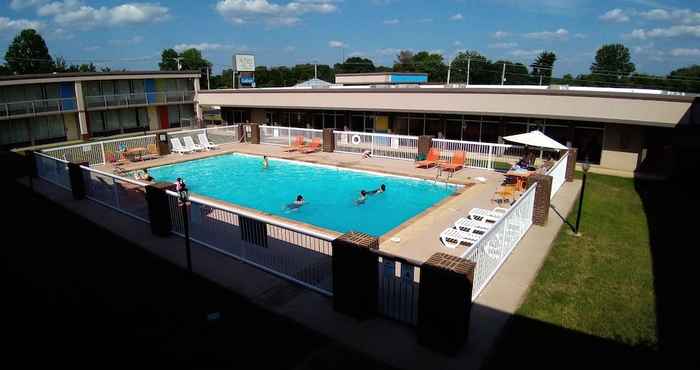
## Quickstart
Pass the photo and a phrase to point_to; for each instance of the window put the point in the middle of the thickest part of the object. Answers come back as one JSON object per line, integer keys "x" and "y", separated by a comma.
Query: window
{"x": 435, "y": 127}
{"x": 14, "y": 132}
{"x": 589, "y": 142}
{"x": 453, "y": 129}
{"x": 173, "y": 116}
{"x": 400, "y": 126}
{"x": 490, "y": 131}
{"x": 96, "y": 122}
{"x": 416, "y": 125}
{"x": 357, "y": 122}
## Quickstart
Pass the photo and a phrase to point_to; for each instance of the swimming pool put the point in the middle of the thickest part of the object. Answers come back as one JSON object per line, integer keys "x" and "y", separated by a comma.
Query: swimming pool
{"x": 329, "y": 192}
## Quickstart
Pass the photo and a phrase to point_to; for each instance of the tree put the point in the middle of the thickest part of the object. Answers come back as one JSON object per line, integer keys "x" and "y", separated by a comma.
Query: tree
{"x": 542, "y": 67}
{"x": 612, "y": 62}
{"x": 168, "y": 60}
{"x": 404, "y": 62}
{"x": 685, "y": 79}
{"x": 192, "y": 60}
{"x": 478, "y": 65}
{"x": 4, "y": 70}
{"x": 28, "y": 54}
{"x": 61, "y": 66}
{"x": 432, "y": 64}
{"x": 355, "y": 65}
{"x": 516, "y": 73}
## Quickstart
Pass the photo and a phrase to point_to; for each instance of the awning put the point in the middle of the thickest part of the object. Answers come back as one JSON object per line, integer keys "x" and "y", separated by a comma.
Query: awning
{"x": 537, "y": 139}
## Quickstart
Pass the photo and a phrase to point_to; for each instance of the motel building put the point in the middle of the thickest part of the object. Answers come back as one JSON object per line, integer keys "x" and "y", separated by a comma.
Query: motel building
{"x": 50, "y": 108}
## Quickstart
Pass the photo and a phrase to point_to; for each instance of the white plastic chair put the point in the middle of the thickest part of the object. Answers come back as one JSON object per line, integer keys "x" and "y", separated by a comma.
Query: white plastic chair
{"x": 189, "y": 144}
{"x": 468, "y": 225}
{"x": 485, "y": 215}
{"x": 177, "y": 146}
{"x": 453, "y": 238}
{"x": 204, "y": 141}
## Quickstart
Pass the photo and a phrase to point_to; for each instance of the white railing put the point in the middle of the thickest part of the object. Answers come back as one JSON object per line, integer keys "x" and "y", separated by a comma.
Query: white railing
{"x": 53, "y": 170}
{"x": 558, "y": 173}
{"x": 223, "y": 134}
{"x": 119, "y": 193}
{"x": 278, "y": 135}
{"x": 296, "y": 254}
{"x": 92, "y": 153}
{"x": 379, "y": 145}
{"x": 399, "y": 285}
{"x": 492, "y": 250}
{"x": 480, "y": 155}
{"x": 18, "y": 108}
{"x": 138, "y": 99}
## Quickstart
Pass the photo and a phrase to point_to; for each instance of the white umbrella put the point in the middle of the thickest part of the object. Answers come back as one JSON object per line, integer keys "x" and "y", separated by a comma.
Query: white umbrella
{"x": 537, "y": 139}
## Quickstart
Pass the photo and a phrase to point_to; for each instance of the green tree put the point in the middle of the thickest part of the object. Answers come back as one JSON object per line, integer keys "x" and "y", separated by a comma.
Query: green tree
{"x": 613, "y": 62}
{"x": 61, "y": 66}
{"x": 542, "y": 67}
{"x": 168, "y": 60}
{"x": 192, "y": 60}
{"x": 355, "y": 65}
{"x": 516, "y": 73}
{"x": 4, "y": 70}
{"x": 685, "y": 79}
{"x": 432, "y": 64}
{"x": 28, "y": 54}
{"x": 478, "y": 65}
{"x": 404, "y": 62}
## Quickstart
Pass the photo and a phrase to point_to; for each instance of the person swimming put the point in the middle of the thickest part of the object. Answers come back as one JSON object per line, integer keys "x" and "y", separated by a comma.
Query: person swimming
{"x": 381, "y": 189}
{"x": 297, "y": 203}
{"x": 266, "y": 164}
{"x": 362, "y": 198}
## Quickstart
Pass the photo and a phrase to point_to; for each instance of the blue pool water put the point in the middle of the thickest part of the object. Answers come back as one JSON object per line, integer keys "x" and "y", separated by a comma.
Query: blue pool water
{"x": 329, "y": 192}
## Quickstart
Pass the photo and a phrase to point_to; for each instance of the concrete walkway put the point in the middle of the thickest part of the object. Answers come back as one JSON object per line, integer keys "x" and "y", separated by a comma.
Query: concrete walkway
{"x": 383, "y": 339}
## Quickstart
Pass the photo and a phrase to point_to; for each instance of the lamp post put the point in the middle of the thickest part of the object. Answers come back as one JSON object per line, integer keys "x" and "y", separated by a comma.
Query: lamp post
{"x": 183, "y": 203}
{"x": 585, "y": 166}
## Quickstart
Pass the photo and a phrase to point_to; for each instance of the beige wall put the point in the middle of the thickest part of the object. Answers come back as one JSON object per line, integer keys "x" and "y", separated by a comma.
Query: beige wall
{"x": 153, "y": 122}
{"x": 367, "y": 79}
{"x": 71, "y": 124}
{"x": 628, "y": 110}
{"x": 621, "y": 147}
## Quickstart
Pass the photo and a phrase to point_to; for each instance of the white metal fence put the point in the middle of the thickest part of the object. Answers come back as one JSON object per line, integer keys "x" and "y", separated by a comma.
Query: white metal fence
{"x": 480, "y": 155}
{"x": 92, "y": 153}
{"x": 121, "y": 194}
{"x": 223, "y": 134}
{"x": 277, "y": 135}
{"x": 379, "y": 145}
{"x": 397, "y": 294}
{"x": 52, "y": 170}
{"x": 558, "y": 173}
{"x": 302, "y": 256}
{"x": 492, "y": 250}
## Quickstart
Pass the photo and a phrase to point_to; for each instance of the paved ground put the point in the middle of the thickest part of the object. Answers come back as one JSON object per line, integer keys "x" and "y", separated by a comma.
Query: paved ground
{"x": 383, "y": 339}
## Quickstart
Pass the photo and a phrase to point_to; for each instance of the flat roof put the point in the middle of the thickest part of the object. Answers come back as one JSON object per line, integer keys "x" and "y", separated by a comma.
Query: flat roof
{"x": 88, "y": 76}
{"x": 382, "y": 74}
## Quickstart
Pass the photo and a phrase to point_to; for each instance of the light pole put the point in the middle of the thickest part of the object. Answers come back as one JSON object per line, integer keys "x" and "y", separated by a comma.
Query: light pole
{"x": 183, "y": 203}
{"x": 585, "y": 166}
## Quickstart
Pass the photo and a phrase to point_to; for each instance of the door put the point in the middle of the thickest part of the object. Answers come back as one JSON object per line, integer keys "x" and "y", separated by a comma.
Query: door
{"x": 163, "y": 116}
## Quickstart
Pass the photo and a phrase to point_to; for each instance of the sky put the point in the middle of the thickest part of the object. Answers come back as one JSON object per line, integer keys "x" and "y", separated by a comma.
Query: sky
{"x": 662, "y": 35}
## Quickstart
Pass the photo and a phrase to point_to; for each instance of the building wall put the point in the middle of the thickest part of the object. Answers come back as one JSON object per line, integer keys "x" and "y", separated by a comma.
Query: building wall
{"x": 622, "y": 147}
{"x": 70, "y": 121}
{"x": 153, "y": 120}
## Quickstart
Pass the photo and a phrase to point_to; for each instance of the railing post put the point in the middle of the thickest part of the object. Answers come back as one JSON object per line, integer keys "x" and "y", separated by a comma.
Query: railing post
{"x": 33, "y": 107}
{"x": 425, "y": 142}
{"x": 371, "y": 144}
{"x": 75, "y": 176}
{"x": 159, "y": 208}
{"x": 355, "y": 274}
{"x": 102, "y": 148}
{"x": 444, "y": 302}
{"x": 571, "y": 164}
{"x": 540, "y": 213}
{"x": 490, "y": 158}
{"x": 328, "y": 140}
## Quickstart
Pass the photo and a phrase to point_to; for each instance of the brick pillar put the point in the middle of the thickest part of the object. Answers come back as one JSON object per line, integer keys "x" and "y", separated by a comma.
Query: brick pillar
{"x": 355, "y": 274}
{"x": 540, "y": 213}
{"x": 75, "y": 175}
{"x": 163, "y": 142}
{"x": 571, "y": 165}
{"x": 425, "y": 142}
{"x": 328, "y": 140}
{"x": 444, "y": 302}
{"x": 255, "y": 133}
{"x": 159, "y": 207}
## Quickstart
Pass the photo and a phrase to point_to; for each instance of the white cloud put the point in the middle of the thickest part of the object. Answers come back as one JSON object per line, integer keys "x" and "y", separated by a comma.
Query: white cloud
{"x": 425, "y": 20}
{"x": 21, "y": 4}
{"x": 526, "y": 53}
{"x": 580, "y": 36}
{"x": 389, "y": 51}
{"x": 683, "y": 52}
{"x": 457, "y": 43}
{"x": 503, "y": 45}
{"x": 685, "y": 16}
{"x": 457, "y": 17}
{"x": 500, "y": 35}
{"x": 673, "y": 31}
{"x": 60, "y": 34}
{"x": 74, "y": 13}
{"x": 560, "y": 34}
{"x": 392, "y": 21}
{"x": 357, "y": 54}
{"x": 245, "y": 11}
{"x": 203, "y": 46}
{"x": 337, "y": 44}
{"x": 615, "y": 15}
{"x": 14, "y": 25}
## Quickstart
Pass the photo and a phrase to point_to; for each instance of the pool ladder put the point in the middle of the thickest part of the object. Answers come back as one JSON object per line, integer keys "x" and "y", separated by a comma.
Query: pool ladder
{"x": 447, "y": 179}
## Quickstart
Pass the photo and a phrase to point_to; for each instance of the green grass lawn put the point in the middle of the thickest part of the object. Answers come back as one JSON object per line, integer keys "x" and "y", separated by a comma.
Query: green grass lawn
{"x": 600, "y": 283}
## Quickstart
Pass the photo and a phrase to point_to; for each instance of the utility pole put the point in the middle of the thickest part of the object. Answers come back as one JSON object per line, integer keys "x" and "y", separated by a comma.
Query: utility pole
{"x": 449, "y": 69}
{"x": 503, "y": 75}
{"x": 469, "y": 64}
{"x": 315, "y": 70}
{"x": 179, "y": 67}
{"x": 208, "y": 84}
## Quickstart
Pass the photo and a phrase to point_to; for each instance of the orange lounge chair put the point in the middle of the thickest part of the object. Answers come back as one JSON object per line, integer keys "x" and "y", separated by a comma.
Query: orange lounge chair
{"x": 297, "y": 144}
{"x": 315, "y": 146}
{"x": 455, "y": 164}
{"x": 431, "y": 160}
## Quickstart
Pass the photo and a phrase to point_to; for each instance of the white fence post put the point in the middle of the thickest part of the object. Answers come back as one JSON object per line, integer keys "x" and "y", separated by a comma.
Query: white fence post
{"x": 104, "y": 158}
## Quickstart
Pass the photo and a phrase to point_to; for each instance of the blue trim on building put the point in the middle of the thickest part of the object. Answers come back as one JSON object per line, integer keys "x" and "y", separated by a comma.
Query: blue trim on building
{"x": 149, "y": 86}
{"x": 403, "y": 78}
{"x": 67, "y": 92}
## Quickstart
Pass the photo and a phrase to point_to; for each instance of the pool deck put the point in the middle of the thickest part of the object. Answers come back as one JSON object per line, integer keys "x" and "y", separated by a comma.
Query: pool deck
{"x": 419, "y": 236}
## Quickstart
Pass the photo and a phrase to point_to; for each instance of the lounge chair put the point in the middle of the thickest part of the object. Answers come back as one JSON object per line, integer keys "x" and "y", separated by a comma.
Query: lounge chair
{"x": 456, "y": 162}
{"x": 431, "y": 160}
{"x": 472, "y": 226}
{"x": 189, "y": 144}
{"x": 204, "y": 141}
{"x": 315, "y": 146}
{"x": 297, "y": 144}
{"x": 485, "y": 215}
{"x": 177, "y": 146}
{"x": 453, "y": 238}
{"x": 506, "y": 193}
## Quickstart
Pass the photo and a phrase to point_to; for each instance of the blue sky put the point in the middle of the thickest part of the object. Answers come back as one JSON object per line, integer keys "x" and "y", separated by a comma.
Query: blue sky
{"x": 662, "y": 35}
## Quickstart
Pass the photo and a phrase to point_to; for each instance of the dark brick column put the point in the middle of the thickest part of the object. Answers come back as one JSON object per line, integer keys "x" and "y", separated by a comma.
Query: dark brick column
{"x": 163, "y": 142}
{"x": 254, "y": 133}
{"x": 444, "y": 302}
{"x": 355, "y": 274}
{"x": 328, "y": 140}
{"x": 75, "y": 175}
{"x": 159, "y": 207}
{"x": 425, "y": 142}
{"x": 571, "y": 165}
{"x": 542, "y": 194}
